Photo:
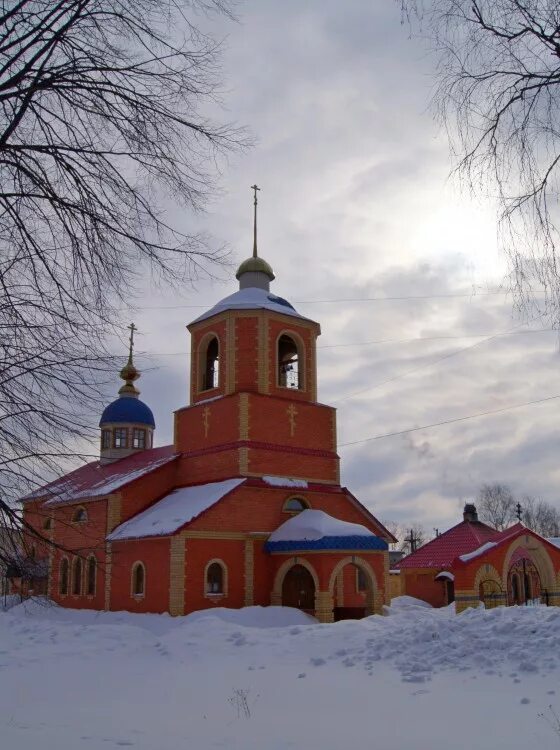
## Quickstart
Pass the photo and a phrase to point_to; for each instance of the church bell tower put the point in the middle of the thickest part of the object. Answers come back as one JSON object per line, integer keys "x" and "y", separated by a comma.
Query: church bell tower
{"x": 253, "y": 392}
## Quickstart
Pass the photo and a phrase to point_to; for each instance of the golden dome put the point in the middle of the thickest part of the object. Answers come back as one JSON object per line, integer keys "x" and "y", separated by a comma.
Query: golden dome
{"x": 255, "y": 265}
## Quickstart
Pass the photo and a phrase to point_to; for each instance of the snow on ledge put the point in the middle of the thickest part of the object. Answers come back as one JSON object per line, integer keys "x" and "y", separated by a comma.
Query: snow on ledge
{"x": 300, "y": 484}
{"x": 445, "y": 574}
{"x": 477, "y": 552}
{"x": 312, "y": 525}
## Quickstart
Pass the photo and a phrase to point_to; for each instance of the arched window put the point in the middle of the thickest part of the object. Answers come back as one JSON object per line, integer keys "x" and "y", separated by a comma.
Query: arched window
{"x": 138, "y": 579}
{"x": 211, "y": 365}
{"x": 215, "y": 578}
{"x": 80, "y": 515}
{"x": 91, "y": 576}
{"x": 48, "y": 524}
{"x": 63, "y": 579}
{"x": 77, "y": 576}
{"x": 295, "y": 505}
{"x": 290, "y": 373}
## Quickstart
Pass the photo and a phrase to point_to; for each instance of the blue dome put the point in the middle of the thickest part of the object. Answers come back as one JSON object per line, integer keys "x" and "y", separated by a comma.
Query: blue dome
{"x": 128, "y": 409}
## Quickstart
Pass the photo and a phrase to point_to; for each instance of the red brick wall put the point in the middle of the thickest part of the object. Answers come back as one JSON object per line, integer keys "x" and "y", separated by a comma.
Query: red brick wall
{"x": 420, "y": 584}
{"x": 154, "y": 553}
{"x": 198, "y": 553}
{"x": 141, "y": 493}
{"x": 259, "y": 508}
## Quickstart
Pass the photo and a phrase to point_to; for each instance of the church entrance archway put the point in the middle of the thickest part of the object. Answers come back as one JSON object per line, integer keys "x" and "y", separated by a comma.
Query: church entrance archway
{"x": 524, "y": 581}
{"x": 298, "y": 589}
{"x": 353, "y": 587}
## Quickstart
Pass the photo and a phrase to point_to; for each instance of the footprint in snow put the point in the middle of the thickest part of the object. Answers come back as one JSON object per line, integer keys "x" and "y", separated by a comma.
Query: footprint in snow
{"x": 316, "y": 661}
{"x": 524, "y": 701}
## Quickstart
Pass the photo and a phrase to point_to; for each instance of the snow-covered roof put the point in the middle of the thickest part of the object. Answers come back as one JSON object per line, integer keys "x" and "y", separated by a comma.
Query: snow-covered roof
{"x": 174, "y": 510}
{"x": 285, "y": 482}
{"x": 311, "y": 525}
{"x": 252, "y": 298}
{"x": 445, "y": 574}
{"x": 477, "y": 552}
{"x": 97, "y": 479}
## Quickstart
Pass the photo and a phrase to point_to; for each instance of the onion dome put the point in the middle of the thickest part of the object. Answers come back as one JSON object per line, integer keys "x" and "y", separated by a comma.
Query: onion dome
{"x": 128, "y": 408}
{"x": 255, "y": 265}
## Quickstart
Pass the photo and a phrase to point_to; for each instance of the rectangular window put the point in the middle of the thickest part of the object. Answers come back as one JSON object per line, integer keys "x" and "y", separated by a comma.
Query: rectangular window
{"x": 120, "y": 437}
{"x": 361, "y": 580}
{"x": 106, "y": 439}
{"x": 139, "y": 438}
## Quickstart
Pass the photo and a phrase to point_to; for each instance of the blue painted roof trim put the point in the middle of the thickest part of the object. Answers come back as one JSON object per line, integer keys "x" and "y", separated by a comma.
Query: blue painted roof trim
{"x": 328, "y": 543}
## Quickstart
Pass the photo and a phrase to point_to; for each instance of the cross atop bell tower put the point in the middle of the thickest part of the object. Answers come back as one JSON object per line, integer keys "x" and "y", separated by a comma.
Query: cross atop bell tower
{"x": 255, "y": 272}
{"x": 255, "y": 202}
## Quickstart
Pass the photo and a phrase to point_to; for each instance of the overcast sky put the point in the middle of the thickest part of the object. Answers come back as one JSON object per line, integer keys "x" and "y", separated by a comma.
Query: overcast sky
{"x": 356, "y": 203}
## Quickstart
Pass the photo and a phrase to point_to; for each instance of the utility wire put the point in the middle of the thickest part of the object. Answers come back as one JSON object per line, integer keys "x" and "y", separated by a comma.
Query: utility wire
{"x": 430, "y": 364}
{"x": 449, "y": 421}
{"x": 398, "y": 298}
{"x": 394, "y": 341}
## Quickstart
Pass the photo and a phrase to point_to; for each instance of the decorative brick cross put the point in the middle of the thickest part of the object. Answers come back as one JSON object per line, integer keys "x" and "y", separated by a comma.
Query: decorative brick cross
{"x": 292, "y": 412}
{"x": 206, "y": 420}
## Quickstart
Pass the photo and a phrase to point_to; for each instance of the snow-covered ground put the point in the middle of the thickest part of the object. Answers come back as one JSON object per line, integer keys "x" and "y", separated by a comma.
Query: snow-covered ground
{"x": 274, "y": 679}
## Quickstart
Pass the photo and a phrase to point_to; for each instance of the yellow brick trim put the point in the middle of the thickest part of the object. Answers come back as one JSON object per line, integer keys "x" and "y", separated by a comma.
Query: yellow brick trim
{"x": 263, "y": 358}
{"x": 213, "y": 535}
{"x": 177, "y": 575}
{"x": 310, "y": 480}
{"x": 244, "y": 461}
{"x": 386, "y": 579}
{"x": 113, "y": 512}
{"x": 324, "y": 606}
{"x": 230, "y": 355}
{"x": 313, "y": 369}
{"x": 244, "y": 416}
{"x": 249, "y": 572}
{"x": 108, "y": 572}
{"x": 470, "y": 601}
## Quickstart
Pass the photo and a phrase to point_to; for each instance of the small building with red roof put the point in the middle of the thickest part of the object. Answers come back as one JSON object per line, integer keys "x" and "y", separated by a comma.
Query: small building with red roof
{"x": 473, "y": 562}
{"x": 245, "y": 507}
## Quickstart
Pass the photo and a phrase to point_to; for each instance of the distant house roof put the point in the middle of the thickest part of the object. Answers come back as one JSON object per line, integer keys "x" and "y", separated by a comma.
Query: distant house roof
{"x": 173, "y": 511}
{"x": 461, "y": 539}
{"x": 97, "y": 479}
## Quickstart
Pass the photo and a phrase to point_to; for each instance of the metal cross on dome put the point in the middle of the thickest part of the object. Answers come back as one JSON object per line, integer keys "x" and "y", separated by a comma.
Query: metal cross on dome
{"x": 131, "y": 328}
{"x": 255, "y": 188}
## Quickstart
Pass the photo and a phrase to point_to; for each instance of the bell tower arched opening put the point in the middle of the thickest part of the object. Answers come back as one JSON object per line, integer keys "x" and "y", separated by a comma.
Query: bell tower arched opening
{"x": 210, "y": 364}
{"x": 289, "y": 362}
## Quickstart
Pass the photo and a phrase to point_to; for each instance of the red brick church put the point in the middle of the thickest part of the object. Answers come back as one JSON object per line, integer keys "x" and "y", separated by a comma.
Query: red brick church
{"x": 245, "y": 507}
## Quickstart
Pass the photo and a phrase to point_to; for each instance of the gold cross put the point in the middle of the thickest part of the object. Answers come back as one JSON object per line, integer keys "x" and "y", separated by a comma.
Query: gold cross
{"x": 206, "y": 420}
{"x": 292, "y": 412}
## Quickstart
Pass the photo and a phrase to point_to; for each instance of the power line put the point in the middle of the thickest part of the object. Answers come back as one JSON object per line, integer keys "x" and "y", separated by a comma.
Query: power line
{"x": 449, "y": 421}
{"x": 430, "y": 364}
{"x": 398, "y": 341}
{"x": 397, "y": 298}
